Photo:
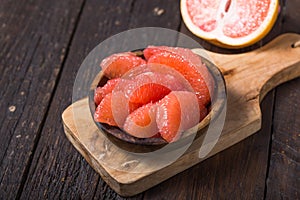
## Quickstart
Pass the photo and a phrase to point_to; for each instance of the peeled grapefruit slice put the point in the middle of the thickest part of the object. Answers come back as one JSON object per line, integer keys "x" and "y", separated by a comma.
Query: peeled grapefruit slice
{"x": 230, "y": 23}
{"x": 100, "y": 92}
{"x": 194, "y": 60}
{"x": 183, "y": 52}
{"x": 117, "y": 65}
{"x": 151, "y": 87}
{"x": 177, "y": 112}
{"x": 121, "y": 107}
{"x": 141, "y": 123}
{"x": 103, "y": 111}
{"x": 194, "y": 74}
{"x": 114, "y": 108}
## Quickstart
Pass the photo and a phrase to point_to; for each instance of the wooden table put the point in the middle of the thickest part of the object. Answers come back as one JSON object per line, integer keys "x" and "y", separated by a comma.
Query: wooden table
{"x": 42, "y": 46}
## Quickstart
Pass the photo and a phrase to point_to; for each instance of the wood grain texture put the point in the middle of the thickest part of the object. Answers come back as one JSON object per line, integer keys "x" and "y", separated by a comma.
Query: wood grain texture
{"x": 242, "y": 120}
{"x": 66, "y": 171}
{"x": 236, "y": 173}
{"x": 155, "y": 13}
{"x": 283, "y": 175}
{"x": 291, "y": 13}
{"x": 34, "y": 40}
{"x": 56, "y": 165}
{"x": 284, "y": 172}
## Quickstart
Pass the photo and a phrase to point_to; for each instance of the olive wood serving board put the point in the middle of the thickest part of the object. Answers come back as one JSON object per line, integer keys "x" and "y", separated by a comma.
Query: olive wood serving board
{"x": 248, "y": 76}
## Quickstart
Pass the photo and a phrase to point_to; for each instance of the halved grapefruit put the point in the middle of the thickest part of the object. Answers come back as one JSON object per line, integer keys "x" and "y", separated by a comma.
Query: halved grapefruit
{"x": 230, "y": 23}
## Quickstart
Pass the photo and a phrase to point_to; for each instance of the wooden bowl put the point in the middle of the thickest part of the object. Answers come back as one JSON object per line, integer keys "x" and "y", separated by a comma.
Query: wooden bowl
{"x": 143, "y": 145}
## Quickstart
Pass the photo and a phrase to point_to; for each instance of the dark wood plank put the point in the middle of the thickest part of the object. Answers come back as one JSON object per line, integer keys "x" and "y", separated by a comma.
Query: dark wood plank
{"x": 156, "y": 13}
{"x": 58, "y": 171}
{"x": 34, "y": 40}
{"x": 284, "y": 173}
{"x": 236, "y": 173}
{"x": 283, "y": 179}
{"x": 291, "y": 12}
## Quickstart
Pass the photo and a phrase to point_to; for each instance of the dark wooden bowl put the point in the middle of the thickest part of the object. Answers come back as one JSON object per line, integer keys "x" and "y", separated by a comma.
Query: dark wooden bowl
{"x": 143, "y": 145}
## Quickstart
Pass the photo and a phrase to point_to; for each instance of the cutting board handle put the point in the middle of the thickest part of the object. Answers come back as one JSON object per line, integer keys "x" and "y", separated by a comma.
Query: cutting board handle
{"x": 259, "y": 71}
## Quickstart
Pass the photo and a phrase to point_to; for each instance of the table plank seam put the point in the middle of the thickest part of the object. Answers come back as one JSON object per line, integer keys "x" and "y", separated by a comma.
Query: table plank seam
{"x": 281, "y": 18}
{"x": 270, "y": 146}
{"x": 95, "y": 191}
{"x": 131, "y": 9}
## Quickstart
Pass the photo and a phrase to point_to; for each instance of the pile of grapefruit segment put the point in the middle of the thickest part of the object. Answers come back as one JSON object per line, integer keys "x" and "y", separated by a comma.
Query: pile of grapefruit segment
{"x": 160, "y": 94}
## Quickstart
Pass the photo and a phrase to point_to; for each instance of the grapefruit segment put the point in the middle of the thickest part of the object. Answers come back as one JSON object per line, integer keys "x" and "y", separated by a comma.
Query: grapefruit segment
{"x": 150, "y": 92}
{"x": 185, "y": 53}
{"x": 113, "y": 109}
{"x": 100, "y": 92}
{"x": 103, "y": 111}
{"x": 117, "y": 65}
{"x": 230, "y": 23}
{"x": 141, "y": 123}
{"x": 189, "y": 56}
{"x": 151, "y": 87}
{"x": 191, "y": 73}
{"x": 177, "y": 112}
{"x": 121, "y": 107}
